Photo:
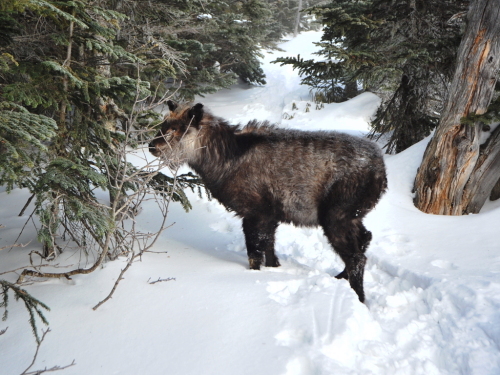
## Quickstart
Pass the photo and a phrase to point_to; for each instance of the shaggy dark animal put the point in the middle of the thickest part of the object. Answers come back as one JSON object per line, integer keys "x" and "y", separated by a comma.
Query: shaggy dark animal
{"x": 268, "y": 176}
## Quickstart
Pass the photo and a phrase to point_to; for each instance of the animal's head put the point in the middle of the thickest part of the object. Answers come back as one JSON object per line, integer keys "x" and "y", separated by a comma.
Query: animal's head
{"x": 178, "y": 134}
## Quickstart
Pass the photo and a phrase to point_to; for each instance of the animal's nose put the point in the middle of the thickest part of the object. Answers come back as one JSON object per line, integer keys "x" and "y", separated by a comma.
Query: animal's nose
{"x": 152, "y": 147}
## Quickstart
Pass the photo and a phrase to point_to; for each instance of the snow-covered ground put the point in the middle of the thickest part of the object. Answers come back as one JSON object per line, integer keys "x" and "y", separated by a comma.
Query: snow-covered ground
{"x": 432, "y": 283}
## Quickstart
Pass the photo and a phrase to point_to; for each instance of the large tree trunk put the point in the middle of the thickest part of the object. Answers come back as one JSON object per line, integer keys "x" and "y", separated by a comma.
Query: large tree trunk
{"x": 456, "y": 172}
{"x": 297, "y": 19}
{"x": 351, "y": 89}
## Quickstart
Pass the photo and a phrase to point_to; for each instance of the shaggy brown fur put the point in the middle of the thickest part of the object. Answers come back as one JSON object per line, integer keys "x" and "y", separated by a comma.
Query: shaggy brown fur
{"x": 268, "y": 176}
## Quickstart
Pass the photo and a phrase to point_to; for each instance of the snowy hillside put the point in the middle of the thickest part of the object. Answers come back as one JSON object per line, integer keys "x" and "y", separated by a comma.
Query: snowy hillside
{"x": 432, "y": 283}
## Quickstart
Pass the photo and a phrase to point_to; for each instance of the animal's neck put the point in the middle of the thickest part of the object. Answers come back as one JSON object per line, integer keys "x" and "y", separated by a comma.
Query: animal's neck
{"x": 217, "y": 149}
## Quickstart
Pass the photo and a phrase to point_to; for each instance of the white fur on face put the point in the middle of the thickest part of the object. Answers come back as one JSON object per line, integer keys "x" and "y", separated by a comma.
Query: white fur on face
{"x": 190, "y": 144}
{"x": 176, "y": 152}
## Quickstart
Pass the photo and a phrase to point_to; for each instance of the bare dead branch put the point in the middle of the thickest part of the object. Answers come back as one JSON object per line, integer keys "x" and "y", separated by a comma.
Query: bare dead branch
{"x": 161, "y": 280}
{"x": 37, "y": 372}
{"x": 17, "y": 269}
{"x": 27, "y": 204}
{"x": 20, "y": 233}
{"x": 55, "y": 368}
{"x": 120, "y": 278}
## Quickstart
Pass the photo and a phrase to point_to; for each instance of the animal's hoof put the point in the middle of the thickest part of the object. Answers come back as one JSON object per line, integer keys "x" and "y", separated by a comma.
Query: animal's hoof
{"x": 254, "y": 263}
{"x": 361, "y": 295}
{"x": 342, "y": 275}
{"x": 273, "y": 262}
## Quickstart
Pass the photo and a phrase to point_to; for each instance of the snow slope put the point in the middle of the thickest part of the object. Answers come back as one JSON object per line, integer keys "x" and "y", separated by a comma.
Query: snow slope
{"x": 432, "y": 283}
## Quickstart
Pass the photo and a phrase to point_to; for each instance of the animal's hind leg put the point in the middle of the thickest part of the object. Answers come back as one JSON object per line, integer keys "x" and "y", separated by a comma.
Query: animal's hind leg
{"x": 349, "y": 239}
{"x": 364, "y": 239}
{"x": 259, "y": 238}
{"x": 343, "y": 274}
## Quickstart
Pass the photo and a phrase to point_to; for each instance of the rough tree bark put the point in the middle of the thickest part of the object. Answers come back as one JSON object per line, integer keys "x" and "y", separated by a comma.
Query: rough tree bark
{"x": 457, "y": 173}
{"x": 297, "y": 19}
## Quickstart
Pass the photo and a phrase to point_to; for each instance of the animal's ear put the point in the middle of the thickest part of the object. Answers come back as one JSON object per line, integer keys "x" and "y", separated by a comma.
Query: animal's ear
{"x": 172, "y": 105}
{"x": 196, "y": 111}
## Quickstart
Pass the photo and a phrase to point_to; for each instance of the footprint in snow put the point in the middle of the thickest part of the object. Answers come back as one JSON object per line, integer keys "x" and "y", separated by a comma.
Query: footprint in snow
{"x": 397, "y": 244}
{"x": 287, "y": 292}
{"x": 444, "y": 264}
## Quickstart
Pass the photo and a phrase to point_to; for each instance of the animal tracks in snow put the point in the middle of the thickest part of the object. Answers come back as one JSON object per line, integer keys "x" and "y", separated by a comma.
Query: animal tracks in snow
{"x": 295, "y": 290}
{"x": 444, "y": 264}
{"x": 406, "y": 326}
{"x": 410, "y": 318}
{"x": 397, "y": 244}
{"x": 322, "y": 323}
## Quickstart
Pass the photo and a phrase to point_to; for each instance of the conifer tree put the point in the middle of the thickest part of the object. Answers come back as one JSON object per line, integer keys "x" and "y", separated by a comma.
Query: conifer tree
{"x": 403, "y": 50}
{"x": 72, "y": 74}
{"x": 290, "y": 17}
{"x": 68, "y": 68}
{"x": 209, "y": 44}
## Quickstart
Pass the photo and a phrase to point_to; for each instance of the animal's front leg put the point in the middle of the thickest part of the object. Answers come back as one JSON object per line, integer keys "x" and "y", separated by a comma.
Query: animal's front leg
{"x": 259, "y": 238}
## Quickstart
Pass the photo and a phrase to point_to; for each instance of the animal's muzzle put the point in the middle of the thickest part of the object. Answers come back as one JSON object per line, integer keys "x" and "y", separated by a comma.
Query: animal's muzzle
{"x": 153, "y": 149}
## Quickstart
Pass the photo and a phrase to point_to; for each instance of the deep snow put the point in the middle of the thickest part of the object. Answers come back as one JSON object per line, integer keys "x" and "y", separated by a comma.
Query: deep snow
{"x": 432, "y": 283}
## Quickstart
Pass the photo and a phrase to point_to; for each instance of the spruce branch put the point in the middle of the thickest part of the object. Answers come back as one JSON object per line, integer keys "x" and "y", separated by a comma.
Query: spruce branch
{"x": 33, "y": 305}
